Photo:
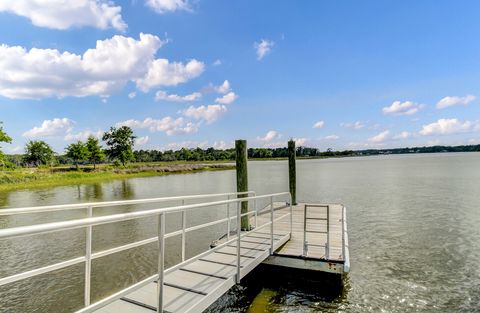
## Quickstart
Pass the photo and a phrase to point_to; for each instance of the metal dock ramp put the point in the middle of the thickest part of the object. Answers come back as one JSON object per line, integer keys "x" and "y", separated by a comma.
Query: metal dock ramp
{"x": 196, "y": 283}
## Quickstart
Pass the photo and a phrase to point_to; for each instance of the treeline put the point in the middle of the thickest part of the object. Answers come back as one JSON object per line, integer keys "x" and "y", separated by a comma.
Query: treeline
{"x": 430, "y": 149}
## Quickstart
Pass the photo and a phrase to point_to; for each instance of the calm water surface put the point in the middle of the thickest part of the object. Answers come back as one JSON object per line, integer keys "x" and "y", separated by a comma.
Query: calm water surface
{"x": 414, "y": 229}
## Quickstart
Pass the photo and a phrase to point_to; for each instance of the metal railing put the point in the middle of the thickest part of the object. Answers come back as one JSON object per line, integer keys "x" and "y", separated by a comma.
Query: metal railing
{"x": 90, "y": 221}
{"x": 306, "y": 244}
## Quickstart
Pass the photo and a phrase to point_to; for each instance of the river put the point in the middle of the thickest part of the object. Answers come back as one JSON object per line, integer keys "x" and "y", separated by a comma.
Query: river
{"x": 413, "y": 220}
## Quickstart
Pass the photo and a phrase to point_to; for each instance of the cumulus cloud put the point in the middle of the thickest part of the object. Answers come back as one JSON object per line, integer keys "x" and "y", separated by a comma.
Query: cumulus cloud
{"x": 403, "y": 135}
{"x": 381, "y": 137}
{"x": 51, "y": 128}
{"x": 356, "y": 125}
{"x": 269, "y": 136}
{"x": 331, "y": 137}
{"x": 141, "y": 141}
{"x": 162, "y": 72}
{"x": 223, "y": 88}
{"x": 402, "y": 108}
{"x": 167, "y": 124}
{"x": 162, "y": 95}
{"x": 447, "y": 127}
{"x": 263, "y": 48}
{"x": 227, "y": 99}
{"x": 453, "y": 101}
{"x": 300, "y": 141}
{"x": 83, "y": 135}
{"x": 132, "y": 95}
{"x": 209, "y": 113}
{"x": 319, "y": 124}
{"x": 43, "y": 73}
{"x": 186, "y": 144}
{"x": 217, "y": 62}
{"x": 60, "y": 14}
{"x": 165, "y": 6}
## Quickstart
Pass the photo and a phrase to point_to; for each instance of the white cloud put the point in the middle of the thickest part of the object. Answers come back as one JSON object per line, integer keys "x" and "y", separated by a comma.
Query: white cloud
{"x": 186, "y": 144}
{"x": 61, "y": 14}
{"x": 167, "y": 124}
{"x": 162, "y": 95}
{"x": 42, "y": 73}
{"x": 269, "y": 136}
{"x": 300, "y": 141}
{"x": 319, "y": 124}
{"x": 223, "y": 88}
{"x": 381, "y": 137}
{"x": 452, "y": 101}
{"x": 263, "y": 48}
{"x": 331, "y": 137}
{"x": 15, "y": 150}
{"x": 356, "y": 125}
{"x": 164, "y": 6}
{"x": 227, "y": 99}
{"x": 141, "y": 141}
{"x": 222, "y": 145}
{"x": 83, "y": 135}
{"x": 402, "y": 108}
{"x": 447, "y": 127}
{"x": 403, "y": 135}
{"x": 132, "y": 95}
{"x": 217, "y": 62}
{"x": 209, "y": 113}
{"x": 50, "y": 128}
{"x": 164, "y": 73}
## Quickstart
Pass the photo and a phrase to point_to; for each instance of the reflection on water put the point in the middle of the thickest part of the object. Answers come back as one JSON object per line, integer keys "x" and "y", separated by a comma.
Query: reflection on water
{"x": 413, "y": 226}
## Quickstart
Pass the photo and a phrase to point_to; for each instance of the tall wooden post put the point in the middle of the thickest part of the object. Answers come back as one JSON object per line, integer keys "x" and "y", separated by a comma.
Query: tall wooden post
{"x": 292, "y": 172}
{"x": 242, "y": 177}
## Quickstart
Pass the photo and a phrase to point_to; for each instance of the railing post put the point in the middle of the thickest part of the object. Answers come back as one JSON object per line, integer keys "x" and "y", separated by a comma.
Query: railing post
{"x": 239, "y": 226}
{"x": 184, "y": 225}
{"x": 343, "y": 232}
{"x": 88, "y": 258}
{"x": 291, "y": 216}
{"x": 305, "y": 250}
{"x": 327, "y": 245}
{"x": 271, "y": 225}
{"x": 161, "y": 260}
{"x": 228, "y": 217}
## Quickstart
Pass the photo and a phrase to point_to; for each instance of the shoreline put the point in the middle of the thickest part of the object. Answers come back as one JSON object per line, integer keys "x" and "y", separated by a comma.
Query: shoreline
{"x": 25, "y": 179}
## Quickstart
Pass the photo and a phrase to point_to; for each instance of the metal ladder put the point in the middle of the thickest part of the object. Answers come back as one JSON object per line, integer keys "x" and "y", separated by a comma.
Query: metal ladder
{"x": 305, "y": 231}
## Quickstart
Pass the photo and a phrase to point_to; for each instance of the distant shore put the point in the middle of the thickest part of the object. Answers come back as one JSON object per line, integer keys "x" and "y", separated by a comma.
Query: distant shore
{"x": 29, "y": 178}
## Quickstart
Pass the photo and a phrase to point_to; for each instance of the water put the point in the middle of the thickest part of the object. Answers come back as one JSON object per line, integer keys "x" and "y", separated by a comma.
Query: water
{"x": 414, "y": 229}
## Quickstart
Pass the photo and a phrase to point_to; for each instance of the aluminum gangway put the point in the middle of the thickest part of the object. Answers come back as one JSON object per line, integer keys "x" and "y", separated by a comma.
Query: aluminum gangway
{"x": 194, "y": 283}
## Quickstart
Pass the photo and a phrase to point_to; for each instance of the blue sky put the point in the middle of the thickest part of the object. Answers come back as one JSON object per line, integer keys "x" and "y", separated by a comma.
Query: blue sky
{"x": 331, "y": 74}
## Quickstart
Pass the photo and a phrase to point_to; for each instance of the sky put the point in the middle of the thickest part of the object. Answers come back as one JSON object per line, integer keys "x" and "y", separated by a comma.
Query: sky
{"x": 188, "y": 73}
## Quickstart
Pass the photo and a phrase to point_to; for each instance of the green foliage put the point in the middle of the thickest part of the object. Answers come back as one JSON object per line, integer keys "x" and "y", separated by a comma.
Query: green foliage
{"x": 38, "y": 153}
{"x": 95, "y": 152}
{"x": 120, "y": 143}
{"x": 77, "y": 152}
{"x": 3, "y": 138}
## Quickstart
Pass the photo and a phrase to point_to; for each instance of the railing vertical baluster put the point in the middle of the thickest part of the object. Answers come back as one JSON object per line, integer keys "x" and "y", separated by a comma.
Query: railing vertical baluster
{"x": 327, "y": 246}
{"x": 161, "y": 260}
{"x": 184, "y": 225}
{"x": 271, "y": 225}
{"x": 88, "y": 258}
{"x": 291, "y": 216}
{"x": 239, "y": 227}
{"x": 305, "y": 231}
{"x": 228, "y": 217}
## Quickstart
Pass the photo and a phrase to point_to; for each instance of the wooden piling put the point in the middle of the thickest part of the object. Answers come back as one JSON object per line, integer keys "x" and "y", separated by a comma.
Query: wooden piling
{"x": 242, "y": 177}
{"x": 292, "y": 172}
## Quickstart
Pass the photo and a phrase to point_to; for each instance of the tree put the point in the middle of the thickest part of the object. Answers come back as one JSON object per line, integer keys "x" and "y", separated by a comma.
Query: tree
{"x": 38, "y": 153}
{"x": 95, "y": 152}
{"x": 120, "y": 142}
{"x": 77, "y": 152}
{"x": 3, "y": 138}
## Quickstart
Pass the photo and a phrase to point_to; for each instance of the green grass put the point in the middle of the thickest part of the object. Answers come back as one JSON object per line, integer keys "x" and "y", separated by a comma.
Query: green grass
{"x": 59, "y": 176}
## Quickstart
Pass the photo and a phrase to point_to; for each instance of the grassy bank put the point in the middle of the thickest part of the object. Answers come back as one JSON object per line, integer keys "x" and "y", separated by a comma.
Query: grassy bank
{"x": 58, "y": 176}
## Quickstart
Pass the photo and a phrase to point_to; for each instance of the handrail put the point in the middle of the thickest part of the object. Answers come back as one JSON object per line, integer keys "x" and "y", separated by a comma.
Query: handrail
{"x": 49, "y": 208}
{"x": 89, "y": 222}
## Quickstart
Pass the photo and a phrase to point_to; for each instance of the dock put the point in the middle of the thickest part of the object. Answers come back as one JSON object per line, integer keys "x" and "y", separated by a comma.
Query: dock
{"x": 280, "y": 235}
